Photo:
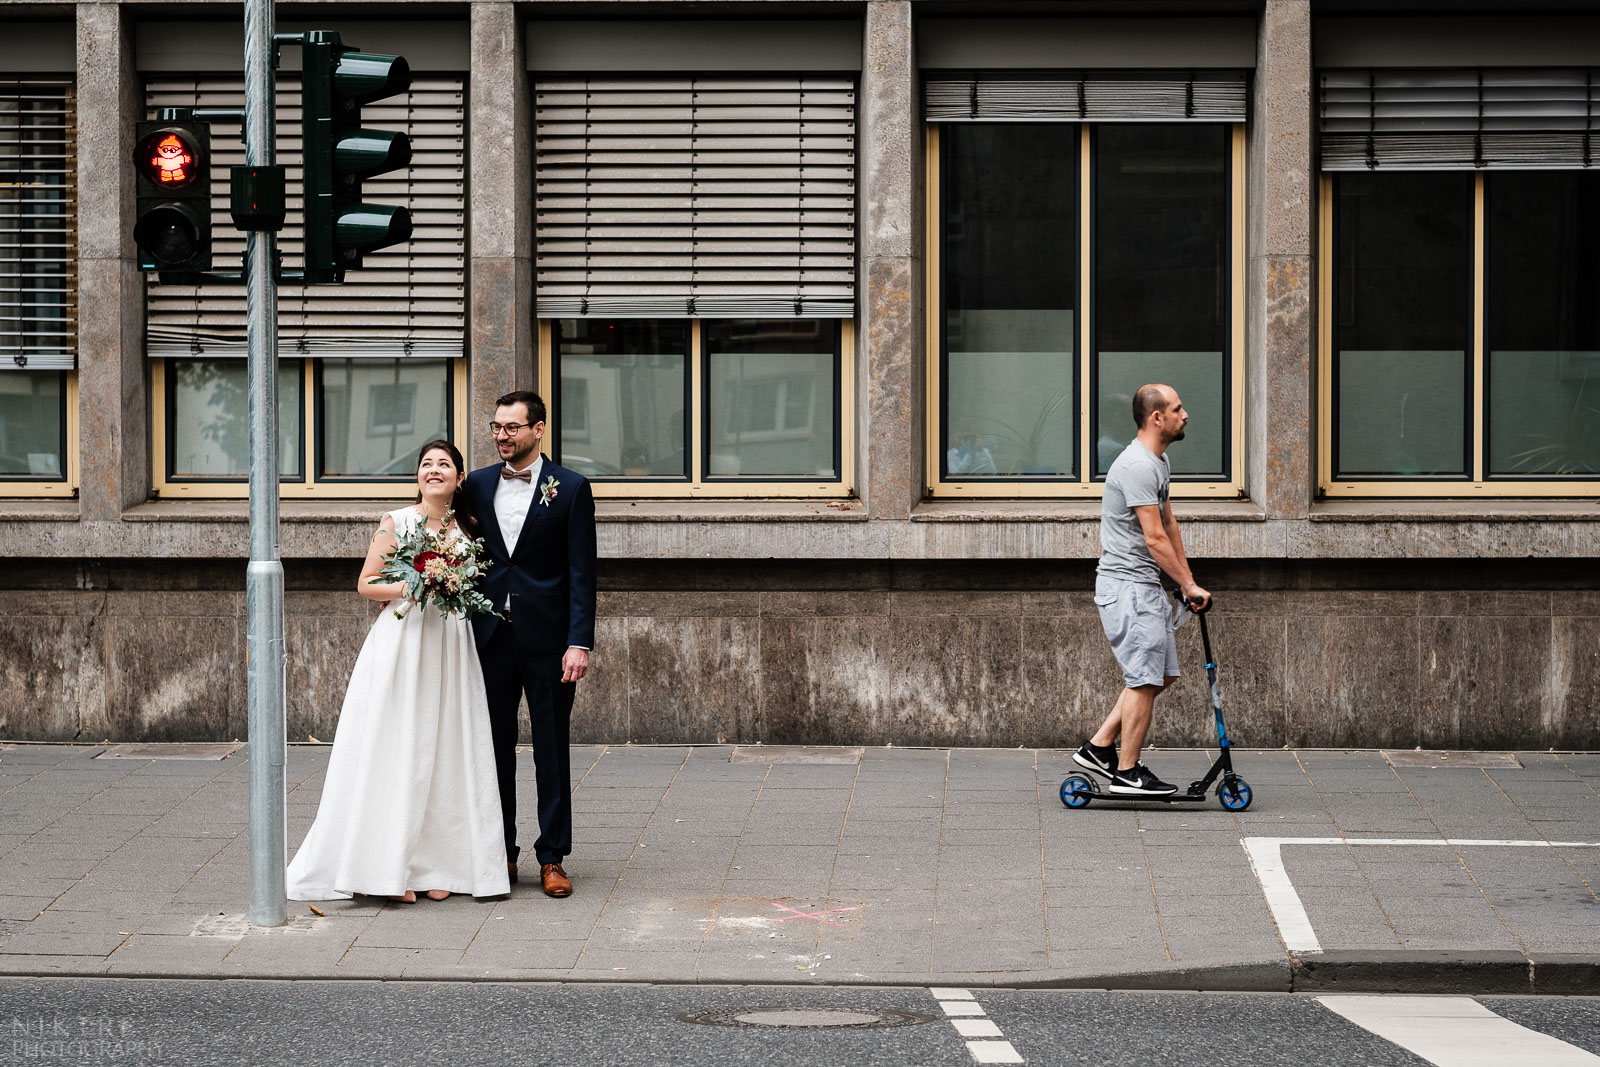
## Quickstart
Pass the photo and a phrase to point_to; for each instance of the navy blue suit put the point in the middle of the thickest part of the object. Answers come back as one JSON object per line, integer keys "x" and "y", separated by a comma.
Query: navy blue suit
{"x": 549, "y": 575}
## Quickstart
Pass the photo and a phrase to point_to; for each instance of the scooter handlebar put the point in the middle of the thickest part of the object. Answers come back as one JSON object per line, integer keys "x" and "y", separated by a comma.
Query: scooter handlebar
{"x": 1203, "y": 606}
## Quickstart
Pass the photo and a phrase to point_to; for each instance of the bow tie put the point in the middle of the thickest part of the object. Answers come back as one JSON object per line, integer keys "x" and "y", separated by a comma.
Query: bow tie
{"x": 517, "y": 476}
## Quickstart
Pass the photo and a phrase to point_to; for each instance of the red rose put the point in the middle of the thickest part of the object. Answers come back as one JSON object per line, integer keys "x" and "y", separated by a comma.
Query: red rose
{"x": 421, "y": 562}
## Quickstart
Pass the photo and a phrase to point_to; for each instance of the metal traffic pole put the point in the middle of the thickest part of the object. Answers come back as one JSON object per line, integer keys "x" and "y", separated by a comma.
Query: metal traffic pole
{"x": 266, "y": 655}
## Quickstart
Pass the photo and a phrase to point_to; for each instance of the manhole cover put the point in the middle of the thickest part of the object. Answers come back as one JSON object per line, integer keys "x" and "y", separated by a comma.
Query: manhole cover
{"x": 807, "y": 1018}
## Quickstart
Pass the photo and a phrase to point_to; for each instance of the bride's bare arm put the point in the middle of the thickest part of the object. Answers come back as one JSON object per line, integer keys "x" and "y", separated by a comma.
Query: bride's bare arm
{"x": 382, "y": 544}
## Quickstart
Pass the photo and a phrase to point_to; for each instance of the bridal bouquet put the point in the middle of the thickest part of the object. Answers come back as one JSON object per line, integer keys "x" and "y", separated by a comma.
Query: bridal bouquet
{"x": 437, "y": 567}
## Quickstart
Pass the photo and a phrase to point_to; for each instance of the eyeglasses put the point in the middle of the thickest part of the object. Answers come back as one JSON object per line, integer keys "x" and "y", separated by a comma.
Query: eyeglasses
{"x": 509, "y": 429}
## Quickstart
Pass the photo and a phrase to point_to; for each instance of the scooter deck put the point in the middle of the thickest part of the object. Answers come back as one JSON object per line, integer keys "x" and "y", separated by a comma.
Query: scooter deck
{"x": 1189, "y": 796}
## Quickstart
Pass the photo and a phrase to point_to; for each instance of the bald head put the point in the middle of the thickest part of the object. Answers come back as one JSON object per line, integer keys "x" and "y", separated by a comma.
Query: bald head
{"x": 1150, "y": 399}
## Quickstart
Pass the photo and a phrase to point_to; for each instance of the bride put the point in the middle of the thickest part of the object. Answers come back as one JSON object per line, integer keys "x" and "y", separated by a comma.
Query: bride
{"x": 411, "y": 802}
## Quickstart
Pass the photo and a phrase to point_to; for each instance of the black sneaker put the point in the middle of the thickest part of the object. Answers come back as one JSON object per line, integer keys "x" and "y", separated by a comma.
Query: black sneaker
{"x": 1137, "y": 781}
{"x": 1097, "y": 760}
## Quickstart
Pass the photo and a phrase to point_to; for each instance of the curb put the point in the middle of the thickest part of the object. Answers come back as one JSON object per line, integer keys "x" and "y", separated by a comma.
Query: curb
{"x": 1378, "y": 971}
{"x": 1445, "y": 971}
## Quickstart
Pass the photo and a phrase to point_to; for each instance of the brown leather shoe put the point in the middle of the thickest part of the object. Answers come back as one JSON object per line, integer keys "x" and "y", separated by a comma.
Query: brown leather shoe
{"x": 511, "y": 871}
{"x": 556, "y": 882}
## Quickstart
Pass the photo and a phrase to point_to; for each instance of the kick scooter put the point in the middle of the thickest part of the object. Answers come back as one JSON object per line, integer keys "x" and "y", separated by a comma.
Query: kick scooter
{"x": 1233, "y": 792}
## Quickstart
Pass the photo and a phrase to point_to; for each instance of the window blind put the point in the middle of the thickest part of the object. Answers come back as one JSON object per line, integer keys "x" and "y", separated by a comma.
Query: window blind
{"x": 407, "y": 300}
{"x": 38, "y": 225}
{"x": 1067, "y": 96}
{"x": 1459, "y": 119}
{"x": 726, "y": 196}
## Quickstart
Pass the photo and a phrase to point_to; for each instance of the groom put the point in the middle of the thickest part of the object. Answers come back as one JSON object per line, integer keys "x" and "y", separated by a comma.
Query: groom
{"x": 538, "y": 528}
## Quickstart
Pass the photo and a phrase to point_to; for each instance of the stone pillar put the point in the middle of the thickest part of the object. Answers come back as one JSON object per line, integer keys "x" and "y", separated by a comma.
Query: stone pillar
{"x": 502, "y": 331}
{"x": 1280, "y": 365}
{"x": 112, "y": 407}
{"x": 889, "y": 339}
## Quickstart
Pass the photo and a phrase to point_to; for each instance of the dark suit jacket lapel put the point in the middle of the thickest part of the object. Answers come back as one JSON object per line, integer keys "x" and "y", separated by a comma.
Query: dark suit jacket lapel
{"x": 486, "y": 482}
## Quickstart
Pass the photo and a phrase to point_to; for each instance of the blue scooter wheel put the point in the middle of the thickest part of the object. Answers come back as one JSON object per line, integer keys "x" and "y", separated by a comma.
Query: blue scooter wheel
{"x": 1234, "y": 796}
{"x": 1076, "y": 791}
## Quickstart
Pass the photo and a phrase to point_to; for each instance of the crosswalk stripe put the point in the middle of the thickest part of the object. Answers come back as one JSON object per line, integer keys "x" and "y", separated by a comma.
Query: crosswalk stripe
{"x": 1456, "y": 1032}
{"x": 985, "y": 1042}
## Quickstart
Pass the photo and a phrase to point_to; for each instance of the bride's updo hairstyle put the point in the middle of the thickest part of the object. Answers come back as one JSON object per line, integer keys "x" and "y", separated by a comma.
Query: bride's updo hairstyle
{"x": 460, "y": 502}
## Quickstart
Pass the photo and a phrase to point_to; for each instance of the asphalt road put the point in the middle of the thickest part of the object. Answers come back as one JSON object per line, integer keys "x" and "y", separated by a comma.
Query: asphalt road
{"x": 200, "y": 1023}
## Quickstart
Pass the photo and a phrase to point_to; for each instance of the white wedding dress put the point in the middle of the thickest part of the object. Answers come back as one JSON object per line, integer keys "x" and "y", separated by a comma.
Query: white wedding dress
{"x": 411, "y": 800}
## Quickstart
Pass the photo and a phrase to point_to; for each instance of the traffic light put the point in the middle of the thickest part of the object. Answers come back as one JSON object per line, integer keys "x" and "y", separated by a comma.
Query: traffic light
{"x": 172, "y": 164}
{"x": 335, "y": 80}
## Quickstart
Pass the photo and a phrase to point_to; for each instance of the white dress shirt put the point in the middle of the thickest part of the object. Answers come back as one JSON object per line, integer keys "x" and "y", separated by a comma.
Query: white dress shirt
{"x": 512, "y": 499}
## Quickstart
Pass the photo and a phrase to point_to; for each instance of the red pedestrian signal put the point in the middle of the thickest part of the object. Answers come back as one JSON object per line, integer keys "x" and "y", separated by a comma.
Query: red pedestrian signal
{"x": 167, "y": 160}
{"x": 173, "y": 190}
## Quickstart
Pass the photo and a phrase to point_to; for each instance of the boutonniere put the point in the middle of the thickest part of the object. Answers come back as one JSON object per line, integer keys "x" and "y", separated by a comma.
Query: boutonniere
{"x": 547, "y": 491}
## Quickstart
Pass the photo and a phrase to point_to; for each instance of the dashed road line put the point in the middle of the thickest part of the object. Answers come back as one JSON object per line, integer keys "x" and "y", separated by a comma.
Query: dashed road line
{"x": 984, "y": 1040}
{"x": 1456, "y": 1032}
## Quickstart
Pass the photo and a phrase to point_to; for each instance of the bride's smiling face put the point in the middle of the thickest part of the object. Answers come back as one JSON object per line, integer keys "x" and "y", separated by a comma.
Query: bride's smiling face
{"x": 437, "y": 476}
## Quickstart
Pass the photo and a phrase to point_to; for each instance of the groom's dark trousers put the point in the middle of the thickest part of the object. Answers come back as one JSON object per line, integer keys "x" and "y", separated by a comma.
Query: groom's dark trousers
{"x": 508, "y": 674}
{"x": 548, "y": 578}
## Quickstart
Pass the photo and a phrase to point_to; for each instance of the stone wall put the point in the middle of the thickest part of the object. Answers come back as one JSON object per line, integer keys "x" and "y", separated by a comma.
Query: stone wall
{"x": 1480, "y": 655}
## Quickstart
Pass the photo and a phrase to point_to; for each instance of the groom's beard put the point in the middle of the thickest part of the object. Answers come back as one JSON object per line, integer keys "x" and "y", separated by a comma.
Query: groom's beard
{"x": 522, "y": 457}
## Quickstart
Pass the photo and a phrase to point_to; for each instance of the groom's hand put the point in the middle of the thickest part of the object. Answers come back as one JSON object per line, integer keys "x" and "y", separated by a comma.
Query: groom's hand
{"x": 575, "y": 664}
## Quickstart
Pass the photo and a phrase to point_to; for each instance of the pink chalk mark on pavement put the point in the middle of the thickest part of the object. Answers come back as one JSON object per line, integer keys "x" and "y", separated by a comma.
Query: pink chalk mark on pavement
{"x": 819, "y": 916}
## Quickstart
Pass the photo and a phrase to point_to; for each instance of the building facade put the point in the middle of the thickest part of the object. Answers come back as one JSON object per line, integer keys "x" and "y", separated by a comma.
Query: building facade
{"x": 840, "y": 306}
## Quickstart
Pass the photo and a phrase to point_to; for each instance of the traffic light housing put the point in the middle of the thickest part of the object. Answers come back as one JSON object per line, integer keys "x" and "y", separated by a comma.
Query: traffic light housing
{"x": 335, "y": 81}
{"x": 172, "y": 167}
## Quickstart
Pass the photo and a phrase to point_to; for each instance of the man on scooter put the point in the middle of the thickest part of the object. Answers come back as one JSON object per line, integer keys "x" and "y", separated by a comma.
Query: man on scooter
{"x": 1138, "y": 540}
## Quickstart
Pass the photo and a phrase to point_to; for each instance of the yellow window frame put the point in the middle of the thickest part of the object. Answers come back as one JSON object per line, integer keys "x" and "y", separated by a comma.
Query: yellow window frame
{"x": 1085, "y": 487}
{"x": 1401, "y": 488}
{"x": 697, "y": 487}
{"x": 307, "y": 488}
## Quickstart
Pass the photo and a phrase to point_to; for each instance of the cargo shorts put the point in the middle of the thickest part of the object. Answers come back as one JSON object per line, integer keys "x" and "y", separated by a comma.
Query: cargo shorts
{"x": 1139, "y": 621}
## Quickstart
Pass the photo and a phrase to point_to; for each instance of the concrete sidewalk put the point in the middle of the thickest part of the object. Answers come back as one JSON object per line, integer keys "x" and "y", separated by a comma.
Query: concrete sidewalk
{"x": 884, "y": 866}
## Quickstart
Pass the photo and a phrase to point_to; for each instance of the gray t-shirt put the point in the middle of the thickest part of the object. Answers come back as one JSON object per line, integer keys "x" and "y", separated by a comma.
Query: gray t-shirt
{"x": 1138, "y": 477}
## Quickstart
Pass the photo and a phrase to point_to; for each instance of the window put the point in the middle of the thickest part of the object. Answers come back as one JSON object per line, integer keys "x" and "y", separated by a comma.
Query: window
{"x": 772, "y": 397}
{"x": 38, "y": 287}
{"x": 376, "y": 414}
{"x": 1543, "y": 330}
{"x": 33, "y": 427}
{"x": 368, "y": 371}
{"x": 1460, "y": 283}
{"x": 208, "y": 428}
{"x": 1011, "y": 296}
{"x": 1073, "y": 262}
{"x": 370, "y": 416}
{"x": 695, "y": 278}
{"x": 1464, "y": 352}
{"x": 714, "y": 407}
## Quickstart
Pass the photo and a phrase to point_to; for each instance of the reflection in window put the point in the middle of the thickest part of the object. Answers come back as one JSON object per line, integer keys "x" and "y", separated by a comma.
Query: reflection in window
{"x": 770, "y": 393}
{"x": 1543, "y": 342}
{"x": 1161, "y": 300}
{"x": 1010, "y": 282}
{"x": 634, "y": 389}
{"x": 575, "y": 409}
{"x": 208, "y": 416}
{"x": 32, "y": 422}
{"x": 376, "y": 414}
{"x": 1402, "y": 323}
